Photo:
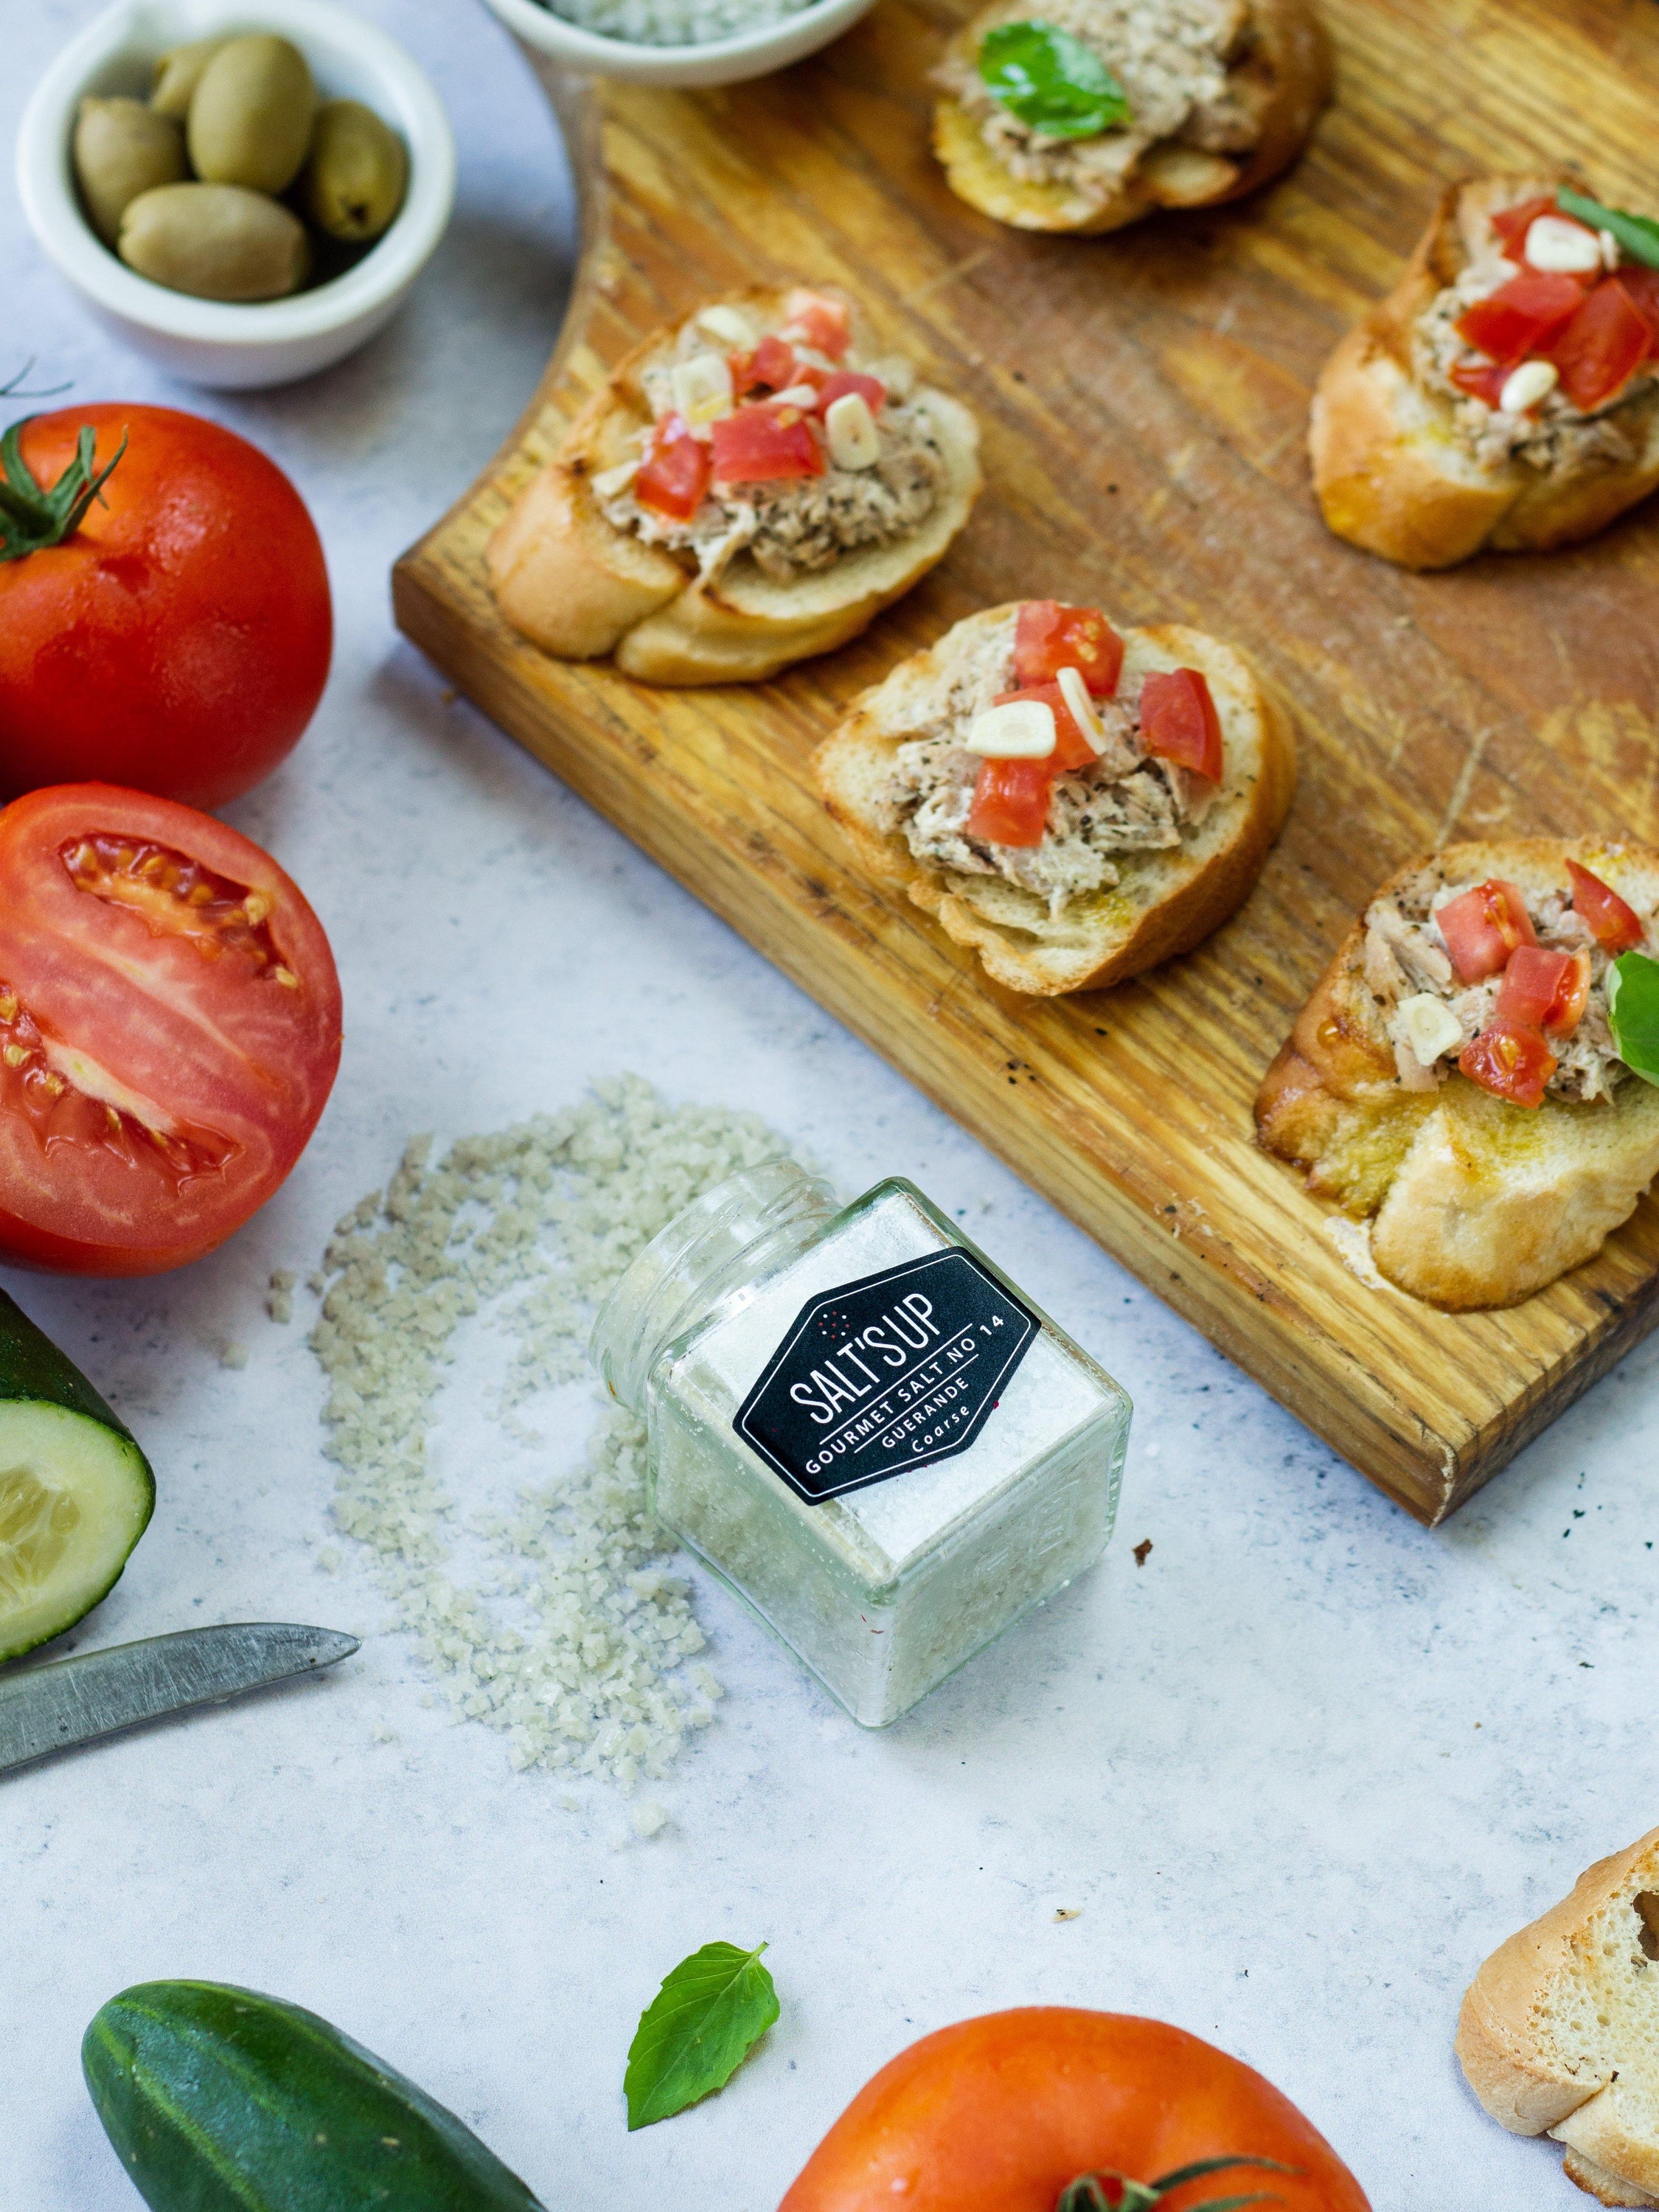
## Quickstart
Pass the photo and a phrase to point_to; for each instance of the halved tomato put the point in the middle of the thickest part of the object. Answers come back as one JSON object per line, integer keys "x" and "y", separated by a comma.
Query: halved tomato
{"x": 841, "y": 381}
{"x": 674, "y": 474}
{"x": 1481, "y": 379}
{"x": 825, "y": 324}
{"x": 771, "y": 366}
{"x": 1048, "y": 637}
{"x": 1011, "y": 802}
{"x": 1641, "y": 288}
{"x": 1615, "y": 926}
{"x": 169, "y": 1030}
{"x": 763, "y": 443}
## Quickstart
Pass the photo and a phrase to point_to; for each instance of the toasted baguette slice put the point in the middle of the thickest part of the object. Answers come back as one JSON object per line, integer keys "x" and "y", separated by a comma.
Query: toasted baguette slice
{"x": 578, "y": 586}
{"x": 1390, "y": 473}
{"x": 1559, "y": 2030}
{"x": 1166, "y": 902}
{"x": 1286, "y": 76}
{"x": 1476, "y": 1202}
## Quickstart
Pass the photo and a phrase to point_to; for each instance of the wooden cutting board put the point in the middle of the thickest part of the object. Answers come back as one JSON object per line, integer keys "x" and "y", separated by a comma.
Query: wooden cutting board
{"x": 1143, "y": 399}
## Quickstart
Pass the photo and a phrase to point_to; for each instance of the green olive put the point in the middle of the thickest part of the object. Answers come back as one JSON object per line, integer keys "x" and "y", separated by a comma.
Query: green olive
{"x": 217, "y": 241}
{"x": 121, "y": 149}
{"x": 177, "y": 75}
{"x": 355, "y": 172}
{"x": 250, "y": 114}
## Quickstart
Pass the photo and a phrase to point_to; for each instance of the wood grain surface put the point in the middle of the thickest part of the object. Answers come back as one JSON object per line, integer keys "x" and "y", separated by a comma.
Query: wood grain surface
{"x": 1143, "y": 399}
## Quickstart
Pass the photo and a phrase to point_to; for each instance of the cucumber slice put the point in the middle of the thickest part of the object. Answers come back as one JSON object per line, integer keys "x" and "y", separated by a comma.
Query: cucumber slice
{"x": 75, "y": 1492}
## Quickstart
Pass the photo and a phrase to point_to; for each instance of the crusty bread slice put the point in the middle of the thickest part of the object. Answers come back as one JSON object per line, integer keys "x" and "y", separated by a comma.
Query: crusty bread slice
{"x": 1389, "y": 471}
{"x": 1166, "y": 902}
{"x": 1288, "y": 72}
{"x": 573, "y": 584}
{"x": 1559, "y": 2030}
{"x": 1476, "y": 1202}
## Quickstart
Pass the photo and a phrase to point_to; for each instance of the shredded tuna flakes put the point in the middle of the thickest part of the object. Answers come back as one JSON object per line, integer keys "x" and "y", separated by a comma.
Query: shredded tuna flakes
{"x": 597, "y": 1679}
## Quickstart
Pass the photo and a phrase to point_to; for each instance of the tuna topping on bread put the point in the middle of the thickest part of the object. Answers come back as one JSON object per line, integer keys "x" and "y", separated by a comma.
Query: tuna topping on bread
{"x": 1075, "y": 802}
{"x": 1548, "y": 339}
{"x": 778, "y": 440}
{"x": 1108, "y": 783}
{"x": 1090, "y": 113}
{"x": 1507, "y": 986}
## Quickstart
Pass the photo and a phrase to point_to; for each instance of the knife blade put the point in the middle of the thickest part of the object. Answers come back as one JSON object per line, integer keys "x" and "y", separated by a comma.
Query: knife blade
{"x": 71, "y": 1702}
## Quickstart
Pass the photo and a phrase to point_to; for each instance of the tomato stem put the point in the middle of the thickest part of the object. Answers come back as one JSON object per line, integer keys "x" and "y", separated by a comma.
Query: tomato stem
{"x": 31, "y": 518}
{"x": 1106, "y": 2192}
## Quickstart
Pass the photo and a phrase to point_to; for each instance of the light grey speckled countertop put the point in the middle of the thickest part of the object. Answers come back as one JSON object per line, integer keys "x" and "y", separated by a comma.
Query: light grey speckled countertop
{"x": 1300, "y": 1771}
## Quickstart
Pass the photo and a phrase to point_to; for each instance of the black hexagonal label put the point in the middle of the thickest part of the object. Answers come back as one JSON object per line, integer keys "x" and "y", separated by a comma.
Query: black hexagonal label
{"x": 886, "y": 1374}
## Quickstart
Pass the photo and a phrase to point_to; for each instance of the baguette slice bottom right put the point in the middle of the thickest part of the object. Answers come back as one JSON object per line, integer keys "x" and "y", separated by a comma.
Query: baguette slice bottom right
{"x": 1475, "y": 1077}
{"x": 1559, "y": 2032}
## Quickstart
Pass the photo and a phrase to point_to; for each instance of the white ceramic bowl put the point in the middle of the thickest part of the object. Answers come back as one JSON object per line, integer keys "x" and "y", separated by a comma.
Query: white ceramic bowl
{"x": 548, "y": 38}
{"x": 211, "y": 341}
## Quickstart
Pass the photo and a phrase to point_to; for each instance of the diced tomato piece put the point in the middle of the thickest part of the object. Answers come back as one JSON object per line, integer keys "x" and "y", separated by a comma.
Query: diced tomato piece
{"x": 1522, "y": 316}
{"x": 1072, "y": 749}
{"x": 1615, "y": 926}
{"x": 674, "y": 474}
{"x": 1543, "y": 990}
{"x": 771, "y": 368}
{"x": 1179, "y": 722}
{"x": 1513, "y": 1063}
{"x": 1641, "y": 286}
{"x": 1513, "y": 224}
{"x": 1602, "y": 348}
{"x": 1483, "y": 927}
{"x": 1011, "y": 802}
{"x": 1481, "y": 379}
{"x": 762, "y": 443}
{"x": 1048, "y": 637}
{"x": 826, "y": 325}
{"x": 841, "y": 381}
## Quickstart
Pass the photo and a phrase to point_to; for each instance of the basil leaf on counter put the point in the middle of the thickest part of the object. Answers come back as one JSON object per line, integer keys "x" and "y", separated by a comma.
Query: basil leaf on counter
{"x": 1638, "y": 233}
{"x": 697, "y": 2030}
{"x": 1633, "y": 1012}
{"x": 1051, "y": 81}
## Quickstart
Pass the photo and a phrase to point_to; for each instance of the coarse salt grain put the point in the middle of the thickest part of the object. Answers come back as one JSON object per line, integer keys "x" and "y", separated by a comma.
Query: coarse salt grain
{"x": 555, "y": 1209}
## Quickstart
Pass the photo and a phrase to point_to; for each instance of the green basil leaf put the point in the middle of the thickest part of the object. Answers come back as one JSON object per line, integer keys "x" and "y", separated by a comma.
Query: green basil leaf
{"x": 1051, "y": 81}
{"x": 697, "y": 2030}
{"x": 1633, "y": 1012}
{"x": 1638, "y": 233}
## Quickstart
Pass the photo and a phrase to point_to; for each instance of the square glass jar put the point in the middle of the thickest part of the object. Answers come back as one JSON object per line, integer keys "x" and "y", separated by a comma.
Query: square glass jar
{"x": 862, "y": 1426}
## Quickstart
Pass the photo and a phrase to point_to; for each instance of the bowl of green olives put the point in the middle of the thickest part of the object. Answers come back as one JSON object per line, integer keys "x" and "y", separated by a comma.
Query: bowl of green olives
{"x": 244, "y": 197}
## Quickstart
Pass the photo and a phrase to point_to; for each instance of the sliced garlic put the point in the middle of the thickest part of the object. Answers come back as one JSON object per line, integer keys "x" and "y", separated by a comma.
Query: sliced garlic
{"x": 1081, "y": 707}
{"x": 898, "y": 373}
{"x": 610, "y": 482}
{"x": 1609, "y": 249}
{"x": 804, "y": 396}
{"x": 729, "y": 324}
{"x": 1566, "y": 248}
{"x": 1020, "y": 729}
{"x": 852, "y": 431}
{"x": 702, "y": 389}
{"x": 1525, "y": 387}
{"x": 1428, "y": 1025}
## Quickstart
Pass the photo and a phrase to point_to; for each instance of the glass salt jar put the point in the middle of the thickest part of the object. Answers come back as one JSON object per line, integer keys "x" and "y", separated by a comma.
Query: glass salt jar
{"x": 865, "y": 1430}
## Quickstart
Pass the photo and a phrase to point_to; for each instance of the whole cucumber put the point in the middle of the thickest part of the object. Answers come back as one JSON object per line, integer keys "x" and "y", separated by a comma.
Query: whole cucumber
{"x": 219, "y": 2099}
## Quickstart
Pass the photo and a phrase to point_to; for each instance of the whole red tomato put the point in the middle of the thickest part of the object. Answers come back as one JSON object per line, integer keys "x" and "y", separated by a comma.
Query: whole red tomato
{"x": 178, "y": 638}
{"x": 169, "y": 1030}
{"x": 1011, "y": 2111}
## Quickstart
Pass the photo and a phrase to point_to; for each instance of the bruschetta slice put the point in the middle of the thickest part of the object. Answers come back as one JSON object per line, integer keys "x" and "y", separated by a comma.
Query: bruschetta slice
{"x": 751, "y": 486}
{"x": 1505, "y": 395}
{"x": 1462, "y": 1076}
{"x": 1084, "y": 115}
{"x": 1073, "y": 802}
